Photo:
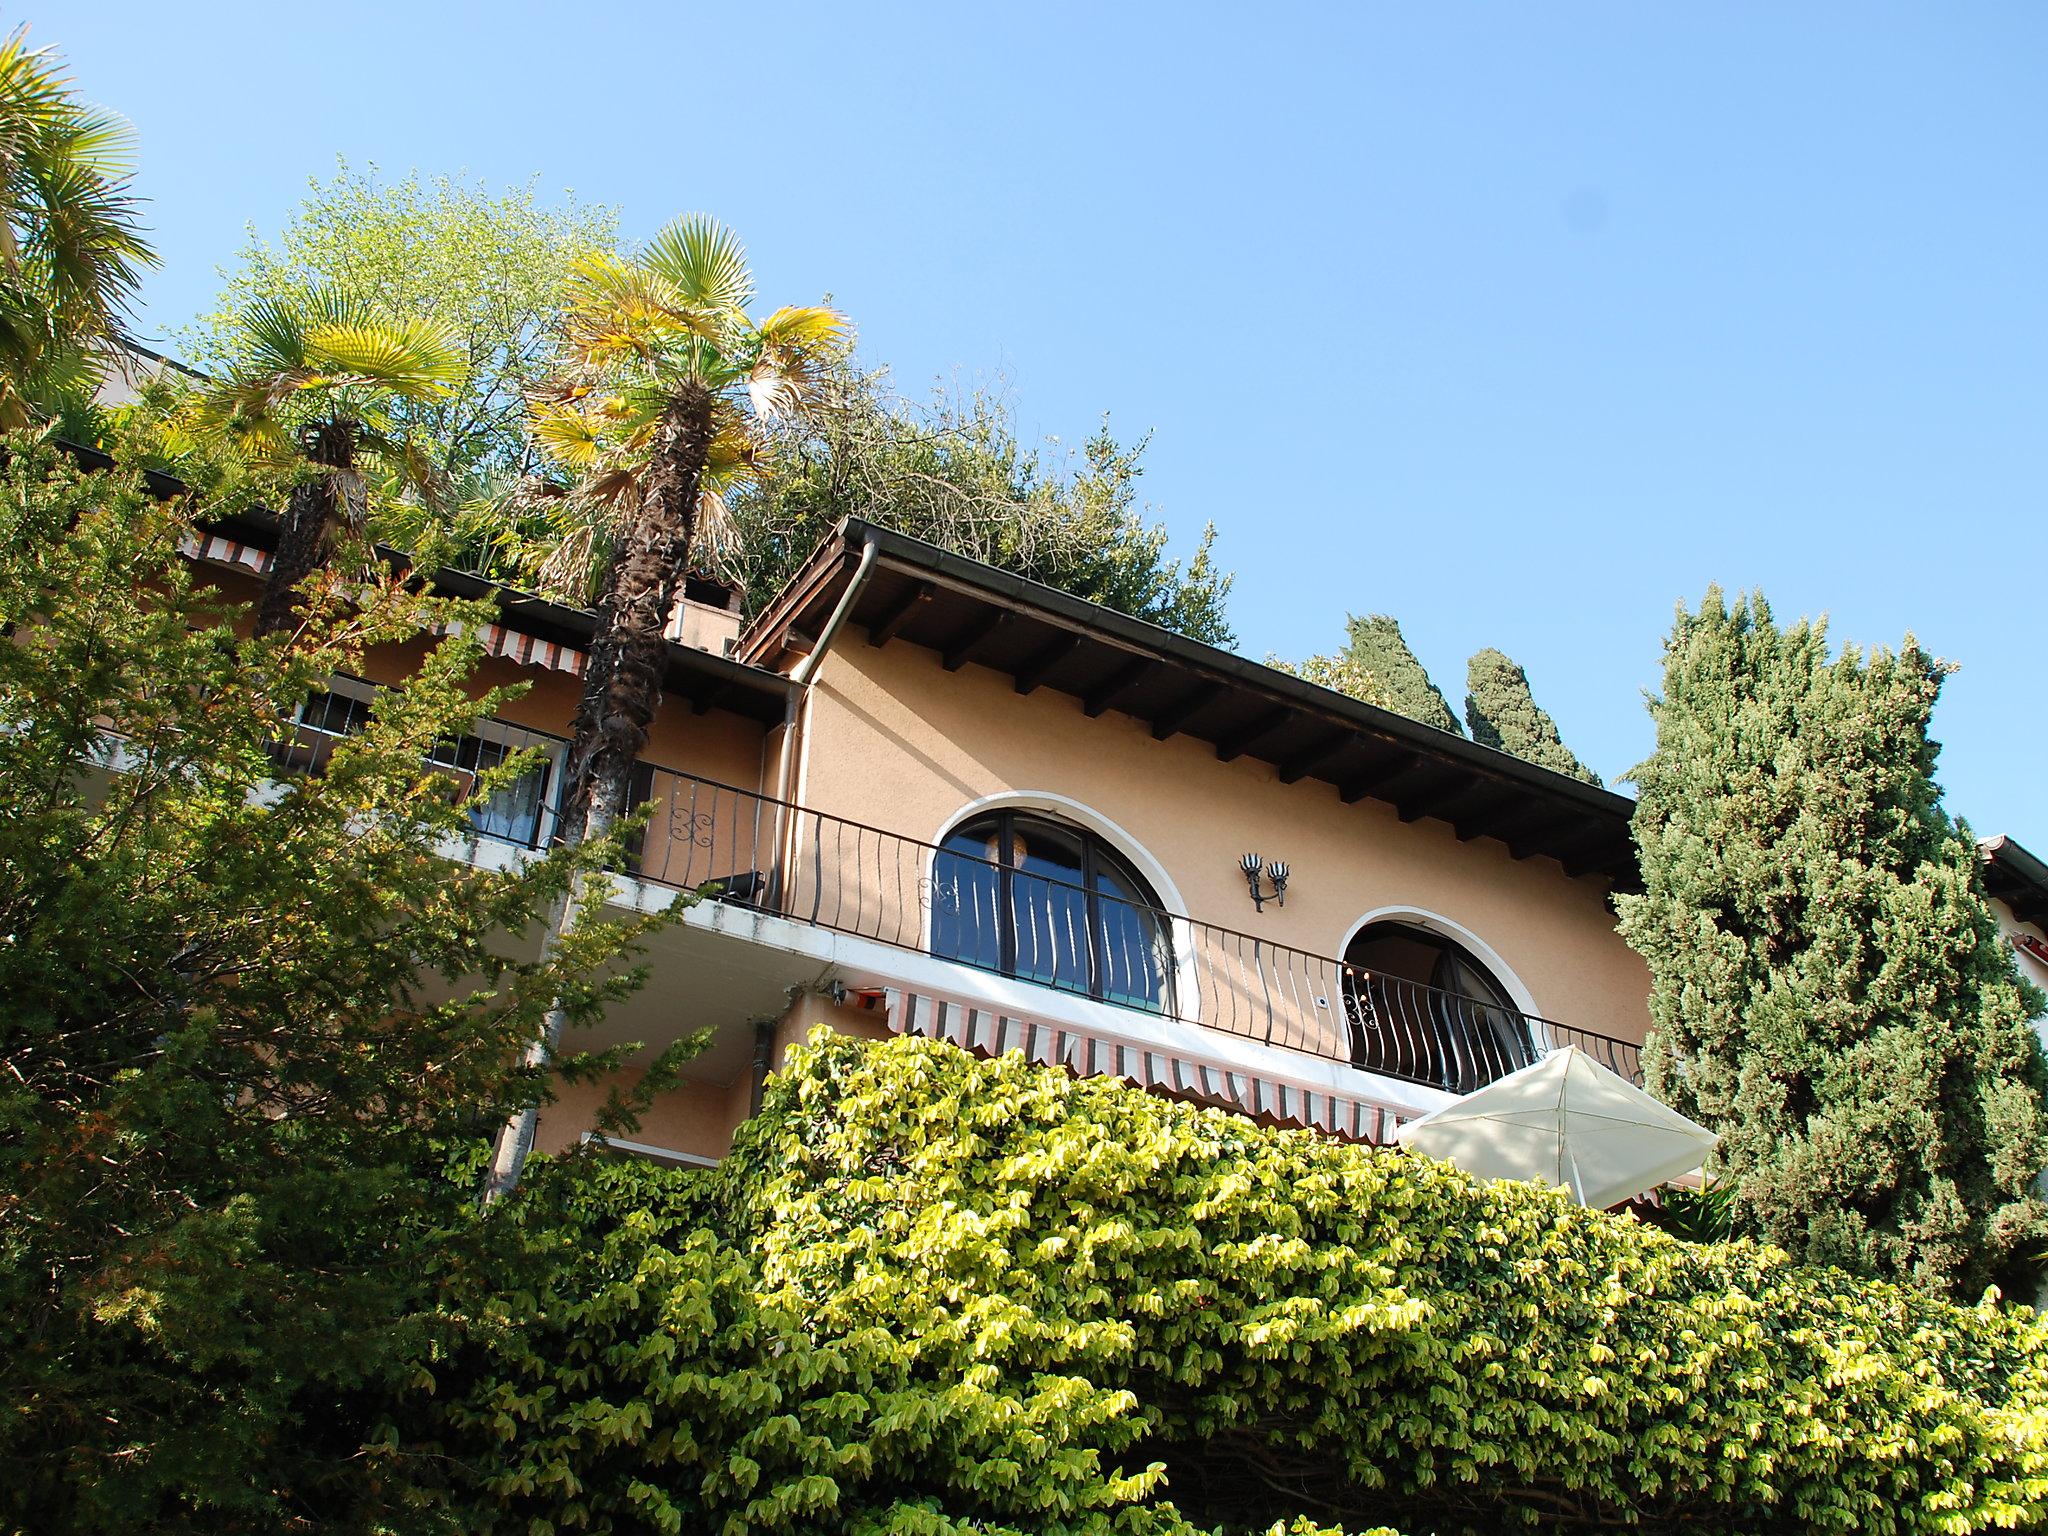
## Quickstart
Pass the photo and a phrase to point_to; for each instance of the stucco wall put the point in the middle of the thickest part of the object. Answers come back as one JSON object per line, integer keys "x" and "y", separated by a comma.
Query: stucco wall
{"x": 716, "y": 745}
{"x": 895, "y": 740}
{"x": 2032, "y": 969}
{"x": 700, "y": 1117}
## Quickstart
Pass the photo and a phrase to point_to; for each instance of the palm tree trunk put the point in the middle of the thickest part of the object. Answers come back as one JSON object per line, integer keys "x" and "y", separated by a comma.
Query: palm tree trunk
{"x": 621, "y": 691}
{"x": 305, "y": 536}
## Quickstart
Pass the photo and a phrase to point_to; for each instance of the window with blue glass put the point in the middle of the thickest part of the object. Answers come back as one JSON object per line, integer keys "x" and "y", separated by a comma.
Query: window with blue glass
{"x": 1040, "y": 899}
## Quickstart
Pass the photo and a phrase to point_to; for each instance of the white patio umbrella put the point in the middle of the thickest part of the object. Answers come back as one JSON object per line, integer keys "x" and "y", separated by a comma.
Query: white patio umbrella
{"x": 1565, "y": 1120}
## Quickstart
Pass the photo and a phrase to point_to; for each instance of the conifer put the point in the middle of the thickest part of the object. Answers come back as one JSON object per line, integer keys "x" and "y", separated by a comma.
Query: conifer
{"x": 1375, "y": 647}
{"x": 1504, "y": 714}
{"x": 1830, "y": 990}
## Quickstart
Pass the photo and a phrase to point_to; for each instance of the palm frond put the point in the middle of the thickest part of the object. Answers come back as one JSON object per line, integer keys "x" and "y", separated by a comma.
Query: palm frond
{"x": 416, "y": 358}
{"x": 705, "y": 263}
{"x": 795, "y": 350}
{"x": 618, "y": 310}
{"x": 565, "y": 434}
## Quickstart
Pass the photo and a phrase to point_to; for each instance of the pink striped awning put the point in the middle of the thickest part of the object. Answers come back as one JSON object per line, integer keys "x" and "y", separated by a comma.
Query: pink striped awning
{"x": 1268, "y": 1096}
{"x": 531, "y": 652}
{"x": 511, "y": 644}
{"x": 220, "y": 550}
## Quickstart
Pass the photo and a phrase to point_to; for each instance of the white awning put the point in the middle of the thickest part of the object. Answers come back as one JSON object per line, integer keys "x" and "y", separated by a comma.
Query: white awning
{"x": 1184, "y": 1074}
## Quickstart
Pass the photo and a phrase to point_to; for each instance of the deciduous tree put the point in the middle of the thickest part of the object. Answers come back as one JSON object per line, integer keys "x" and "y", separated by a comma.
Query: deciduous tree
{"x": 246, "y": 1019}
{"x": 955, "y": 472}
{"x": 490, "y": 267}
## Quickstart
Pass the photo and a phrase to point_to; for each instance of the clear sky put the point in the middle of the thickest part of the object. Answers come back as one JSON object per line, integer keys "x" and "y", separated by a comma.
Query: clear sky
{"x": 1519, "y": 322}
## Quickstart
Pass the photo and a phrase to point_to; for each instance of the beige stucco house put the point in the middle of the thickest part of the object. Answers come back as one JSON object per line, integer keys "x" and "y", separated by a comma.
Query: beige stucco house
{"x": 922, "y": 794}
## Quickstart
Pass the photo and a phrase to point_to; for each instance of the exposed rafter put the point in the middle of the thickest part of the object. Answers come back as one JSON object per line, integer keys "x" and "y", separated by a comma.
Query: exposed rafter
{"x": 1185, "y": 708}
{"x": 1033, "y": 672}
{"x": 1232, "y": 747}
{"x": 1302, "y": 764}
{"x": 888, "y": 624}
{"x": 961, "y": 648}
{"x": 1365, "y": 782}
{"x": 1119, "y": 683}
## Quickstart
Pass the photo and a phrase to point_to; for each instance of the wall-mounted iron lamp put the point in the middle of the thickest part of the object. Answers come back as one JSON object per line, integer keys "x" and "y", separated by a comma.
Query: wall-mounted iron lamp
{"x": 1251, "y": 864}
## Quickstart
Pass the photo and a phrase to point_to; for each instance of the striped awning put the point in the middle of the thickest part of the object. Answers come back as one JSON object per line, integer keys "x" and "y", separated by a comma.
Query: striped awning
{"x": 1267, "y": 1096}
{"x": 497, "y": 640}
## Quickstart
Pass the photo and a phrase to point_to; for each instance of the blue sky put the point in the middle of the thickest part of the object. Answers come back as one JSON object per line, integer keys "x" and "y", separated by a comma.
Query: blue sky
{"x": 1522, "y": 323}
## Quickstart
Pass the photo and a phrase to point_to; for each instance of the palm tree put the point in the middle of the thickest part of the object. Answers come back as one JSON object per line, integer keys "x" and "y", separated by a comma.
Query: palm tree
{"x": 309, "y": 396}
{"x": 71, "y": 251}
{"x": 665, "y": 377}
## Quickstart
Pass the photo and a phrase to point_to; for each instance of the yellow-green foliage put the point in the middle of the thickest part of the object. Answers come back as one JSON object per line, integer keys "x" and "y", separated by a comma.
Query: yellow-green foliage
{"x": 929, "y": 1293}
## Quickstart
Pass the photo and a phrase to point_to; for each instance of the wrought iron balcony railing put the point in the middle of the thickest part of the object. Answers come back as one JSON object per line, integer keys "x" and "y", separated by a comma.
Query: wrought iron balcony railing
{"x": 767, "y": 854}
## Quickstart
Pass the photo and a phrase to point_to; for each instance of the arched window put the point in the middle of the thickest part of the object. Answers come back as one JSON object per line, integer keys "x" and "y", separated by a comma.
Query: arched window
{"x": 1423, "y": 1007}
{"x": 1024, "y": 894}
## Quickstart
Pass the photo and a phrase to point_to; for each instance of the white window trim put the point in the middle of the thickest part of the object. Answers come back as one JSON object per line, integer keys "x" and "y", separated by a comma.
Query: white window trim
{"x": 648, "y": 1150}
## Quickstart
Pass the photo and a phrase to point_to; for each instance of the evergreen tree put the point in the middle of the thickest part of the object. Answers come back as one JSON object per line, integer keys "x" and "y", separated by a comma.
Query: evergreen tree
{"x": 1374, "y": 646}
{"x": 1829, "y": 988}
{"x": 1504, "y": 714}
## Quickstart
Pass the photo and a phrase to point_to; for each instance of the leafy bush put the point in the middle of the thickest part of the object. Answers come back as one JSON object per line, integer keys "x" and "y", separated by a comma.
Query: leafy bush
{"x": 929, "y": 1293}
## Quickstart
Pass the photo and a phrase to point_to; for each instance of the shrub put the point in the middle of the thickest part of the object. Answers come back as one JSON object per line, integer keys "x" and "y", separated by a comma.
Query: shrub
{"x": 937, "y": 1294}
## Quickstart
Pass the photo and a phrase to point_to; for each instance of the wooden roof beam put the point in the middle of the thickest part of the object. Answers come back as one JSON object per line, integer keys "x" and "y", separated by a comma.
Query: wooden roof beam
{"x": 1117, "y": 684}
{"x": 1034, "y": 671}
{"x": 961, "y": 648}
{"x": 1177, "y": 714}
{"x": 1485, "y": 811}
{"x": 1384, "y": 771}
{"x": 1302, "y": 764}
{"x": 900, "y": 614}
{"x": 1232, "y": 747}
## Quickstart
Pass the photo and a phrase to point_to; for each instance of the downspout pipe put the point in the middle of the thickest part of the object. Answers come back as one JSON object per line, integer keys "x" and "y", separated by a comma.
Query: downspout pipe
{"x": 805, "y": 673}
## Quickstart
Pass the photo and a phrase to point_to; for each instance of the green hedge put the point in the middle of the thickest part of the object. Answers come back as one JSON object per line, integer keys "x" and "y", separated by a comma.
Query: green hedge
{"x": 929, "y": 1293}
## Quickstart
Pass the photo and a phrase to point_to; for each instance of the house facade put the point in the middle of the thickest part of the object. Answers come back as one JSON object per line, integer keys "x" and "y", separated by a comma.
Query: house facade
{"x": 920, "y": 794}
{"x": 2017, "y": 883}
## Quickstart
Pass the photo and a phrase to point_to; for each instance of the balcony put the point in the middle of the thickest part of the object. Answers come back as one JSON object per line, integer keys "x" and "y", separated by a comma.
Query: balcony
{"x": 754, "y": 852}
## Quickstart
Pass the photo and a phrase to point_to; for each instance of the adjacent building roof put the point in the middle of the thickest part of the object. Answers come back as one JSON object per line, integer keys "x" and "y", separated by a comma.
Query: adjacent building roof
{"x": 1045, "y": 638}
{"x": 706, "y": 681}
{"x": 2016, "y": 878}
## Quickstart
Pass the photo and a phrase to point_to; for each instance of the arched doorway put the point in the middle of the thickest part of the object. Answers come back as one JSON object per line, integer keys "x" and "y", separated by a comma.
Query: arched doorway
{"x": 1037, "y": 897}
{"x": 1423, "y": 1006}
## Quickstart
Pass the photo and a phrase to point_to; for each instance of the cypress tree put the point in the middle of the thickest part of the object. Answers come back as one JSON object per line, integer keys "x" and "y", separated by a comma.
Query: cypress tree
{"x": 1374, "y": 647}
{"x": 1830, "y": 990}
{"x": 1504, "y": 714}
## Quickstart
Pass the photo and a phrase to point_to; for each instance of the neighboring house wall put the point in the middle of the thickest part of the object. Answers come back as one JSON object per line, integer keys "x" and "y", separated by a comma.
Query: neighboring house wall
{"x": 2033, "y": 969}
{"x": 896, "y": 741}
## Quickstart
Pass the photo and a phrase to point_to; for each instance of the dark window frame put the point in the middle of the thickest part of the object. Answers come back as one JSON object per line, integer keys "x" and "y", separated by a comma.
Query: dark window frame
{"x": 1097, "y": 854}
